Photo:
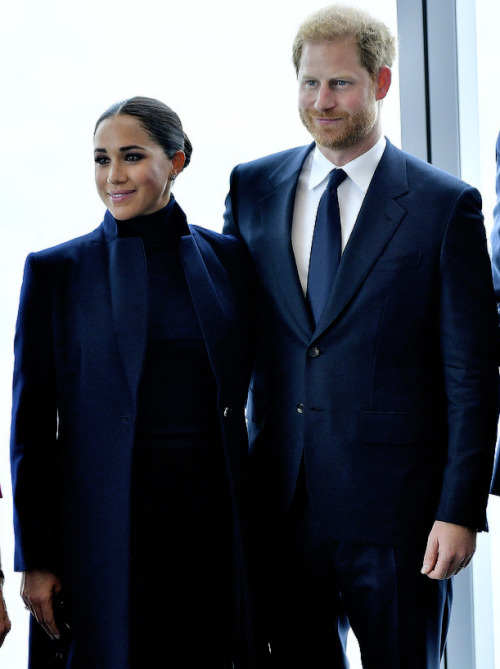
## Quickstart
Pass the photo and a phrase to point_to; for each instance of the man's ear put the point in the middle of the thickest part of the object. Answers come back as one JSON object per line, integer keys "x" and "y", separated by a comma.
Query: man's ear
{"x": 383, "y": 82}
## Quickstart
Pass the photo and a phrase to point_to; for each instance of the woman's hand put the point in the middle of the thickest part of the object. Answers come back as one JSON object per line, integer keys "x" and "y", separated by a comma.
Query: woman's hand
{"x": 37, "y": 589}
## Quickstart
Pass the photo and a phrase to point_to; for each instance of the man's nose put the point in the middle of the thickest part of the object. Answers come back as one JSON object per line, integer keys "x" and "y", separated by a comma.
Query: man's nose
{"x": 325, "y": 98}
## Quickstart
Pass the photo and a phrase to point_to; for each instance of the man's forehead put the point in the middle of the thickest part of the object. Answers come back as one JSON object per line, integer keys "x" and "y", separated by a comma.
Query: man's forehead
{"x": 340, "y": 51}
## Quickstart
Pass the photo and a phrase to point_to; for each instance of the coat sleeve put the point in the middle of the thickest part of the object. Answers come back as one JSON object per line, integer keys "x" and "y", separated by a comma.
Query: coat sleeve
{"x": 495, "y": 235}
{"x": 468, "y": 336}
{"x": 34, "y": 426}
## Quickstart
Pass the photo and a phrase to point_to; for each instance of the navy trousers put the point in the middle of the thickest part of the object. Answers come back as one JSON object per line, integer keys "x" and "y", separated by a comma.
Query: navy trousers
{"x": 317, "y": 588}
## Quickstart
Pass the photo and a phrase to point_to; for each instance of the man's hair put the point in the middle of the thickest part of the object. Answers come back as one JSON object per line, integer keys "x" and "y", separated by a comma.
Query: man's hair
{"x": 376, "y": 44}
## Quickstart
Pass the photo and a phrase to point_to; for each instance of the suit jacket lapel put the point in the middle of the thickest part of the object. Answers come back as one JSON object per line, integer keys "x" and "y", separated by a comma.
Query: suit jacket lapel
{"x": 377, "y": 221}
{"x": 276, "y": 211}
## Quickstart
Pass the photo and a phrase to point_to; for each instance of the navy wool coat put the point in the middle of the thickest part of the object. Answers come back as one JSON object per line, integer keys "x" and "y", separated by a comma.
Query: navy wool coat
{"x": 79, "y": 349}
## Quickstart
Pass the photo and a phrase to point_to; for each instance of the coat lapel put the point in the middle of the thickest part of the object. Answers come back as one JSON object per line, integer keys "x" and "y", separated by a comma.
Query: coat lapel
{"x": 204, "y": 273}
{"x": 129, "y": 299}
{"x": 377, "y": 222}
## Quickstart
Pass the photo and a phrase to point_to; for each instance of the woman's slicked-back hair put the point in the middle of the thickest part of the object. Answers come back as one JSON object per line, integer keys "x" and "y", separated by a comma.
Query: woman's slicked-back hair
{"x": 160, "y": 122}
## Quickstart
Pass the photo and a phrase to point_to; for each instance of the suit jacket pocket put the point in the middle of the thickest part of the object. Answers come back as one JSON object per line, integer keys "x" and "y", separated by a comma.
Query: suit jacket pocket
{"x": 399, "y": 262}
{"x": 379, "y": 427}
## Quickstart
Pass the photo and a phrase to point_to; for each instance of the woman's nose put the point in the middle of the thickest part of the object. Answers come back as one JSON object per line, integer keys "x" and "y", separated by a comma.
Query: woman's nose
{"x": 116, "y": 174}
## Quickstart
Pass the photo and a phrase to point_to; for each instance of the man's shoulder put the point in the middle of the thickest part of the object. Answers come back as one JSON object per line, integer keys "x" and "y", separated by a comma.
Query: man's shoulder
{"x": 275, "y": 160}
{"x": 419, "y": 170}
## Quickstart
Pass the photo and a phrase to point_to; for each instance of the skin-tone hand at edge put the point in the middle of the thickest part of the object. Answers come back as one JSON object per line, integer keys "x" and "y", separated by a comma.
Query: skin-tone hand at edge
{"x": 4, "y": 618}
{"x": 37, "y": 589}
{"x": 449, "y": 550}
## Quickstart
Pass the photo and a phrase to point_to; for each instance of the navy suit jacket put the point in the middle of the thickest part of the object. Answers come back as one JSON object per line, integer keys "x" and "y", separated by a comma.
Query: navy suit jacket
{"x": 391, "y": 401}
{"x": 80, "y": 344}
{"x": 495, "y": 249}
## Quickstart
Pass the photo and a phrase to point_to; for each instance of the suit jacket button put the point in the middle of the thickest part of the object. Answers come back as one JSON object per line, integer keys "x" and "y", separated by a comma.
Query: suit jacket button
{"x": 314, "y": 351}
{"x": 227, "y": 412}
{"x": 300, "y": 408}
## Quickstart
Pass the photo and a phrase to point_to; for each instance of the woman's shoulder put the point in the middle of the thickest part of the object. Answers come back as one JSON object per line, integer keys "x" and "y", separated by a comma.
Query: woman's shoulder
{"x": 67, "y": 249}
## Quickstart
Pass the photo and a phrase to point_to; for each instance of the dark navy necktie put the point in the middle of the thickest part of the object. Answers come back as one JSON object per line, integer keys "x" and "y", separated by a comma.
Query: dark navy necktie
{"x": 326, "y": 246}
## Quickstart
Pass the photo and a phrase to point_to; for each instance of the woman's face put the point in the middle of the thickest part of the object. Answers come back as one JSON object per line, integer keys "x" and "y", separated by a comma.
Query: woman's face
{"x": 132, "y": 172}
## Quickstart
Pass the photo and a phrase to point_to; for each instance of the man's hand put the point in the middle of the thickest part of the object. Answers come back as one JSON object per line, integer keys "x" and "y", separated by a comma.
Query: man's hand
{"x": 449, "y": 550}
{"x": 4, "y": 617}
{"x": 37, "y": 588}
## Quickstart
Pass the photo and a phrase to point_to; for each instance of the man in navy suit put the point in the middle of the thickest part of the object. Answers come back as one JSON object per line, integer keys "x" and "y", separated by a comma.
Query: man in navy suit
{"x": 373, "y": 419}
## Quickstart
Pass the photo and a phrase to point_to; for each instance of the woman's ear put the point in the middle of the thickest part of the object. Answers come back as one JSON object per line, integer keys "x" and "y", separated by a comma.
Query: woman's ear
{"x": 178, "y": 160}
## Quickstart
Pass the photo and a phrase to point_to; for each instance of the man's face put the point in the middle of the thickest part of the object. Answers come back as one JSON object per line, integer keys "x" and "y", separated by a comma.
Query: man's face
{"x": 338, "y": 98}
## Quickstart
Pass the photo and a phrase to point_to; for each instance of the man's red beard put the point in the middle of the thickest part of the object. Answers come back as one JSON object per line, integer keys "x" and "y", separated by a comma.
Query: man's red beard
{"x": 350, "y": 130}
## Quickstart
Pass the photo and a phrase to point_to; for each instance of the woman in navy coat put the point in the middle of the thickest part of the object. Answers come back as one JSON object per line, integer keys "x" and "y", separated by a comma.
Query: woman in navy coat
{"x": 129, "y": 444}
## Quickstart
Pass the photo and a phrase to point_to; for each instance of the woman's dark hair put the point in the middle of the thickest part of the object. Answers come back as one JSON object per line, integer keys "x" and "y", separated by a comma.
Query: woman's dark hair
{"x": 160, "y": 122}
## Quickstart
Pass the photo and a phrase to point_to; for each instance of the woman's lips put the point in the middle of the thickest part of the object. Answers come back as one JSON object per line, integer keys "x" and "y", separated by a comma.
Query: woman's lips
{"x": 120, "y": 195}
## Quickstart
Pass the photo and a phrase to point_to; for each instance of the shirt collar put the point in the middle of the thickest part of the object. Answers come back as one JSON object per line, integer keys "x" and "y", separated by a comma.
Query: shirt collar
{"x": 360, "y": 170}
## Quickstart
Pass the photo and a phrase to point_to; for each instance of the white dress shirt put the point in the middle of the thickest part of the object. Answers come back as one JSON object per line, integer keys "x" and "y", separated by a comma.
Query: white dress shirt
{"x": 351, "y": 192}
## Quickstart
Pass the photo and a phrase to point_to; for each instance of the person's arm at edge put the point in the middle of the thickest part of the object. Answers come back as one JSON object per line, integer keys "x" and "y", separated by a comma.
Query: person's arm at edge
{"x": 230, "y": 224}
{"x": 495, "y": 260}
{"x": 5, "y": 624}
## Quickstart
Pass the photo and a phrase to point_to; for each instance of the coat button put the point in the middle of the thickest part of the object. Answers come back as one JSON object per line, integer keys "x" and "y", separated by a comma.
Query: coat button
{"x": 300, "y": 408}
{"x": 314, "y": 351}
{"x": 227, "y": 412}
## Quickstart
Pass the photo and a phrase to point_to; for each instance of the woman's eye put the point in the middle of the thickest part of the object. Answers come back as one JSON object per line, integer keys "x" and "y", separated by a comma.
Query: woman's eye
{"x": 133, "y": 157}
{"x": 101, "y": 160}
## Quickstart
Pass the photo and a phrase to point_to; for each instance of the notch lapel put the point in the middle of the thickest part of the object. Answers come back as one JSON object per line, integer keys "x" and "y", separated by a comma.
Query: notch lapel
{"x": 276, "y": 264}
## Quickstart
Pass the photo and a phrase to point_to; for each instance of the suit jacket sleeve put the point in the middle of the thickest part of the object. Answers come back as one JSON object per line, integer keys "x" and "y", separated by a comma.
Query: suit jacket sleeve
{"x": 468, "y": 348}
{"x": 34, "y": 426}
{"x": 495, "y": 236}
{"x": 230, "y": 224}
